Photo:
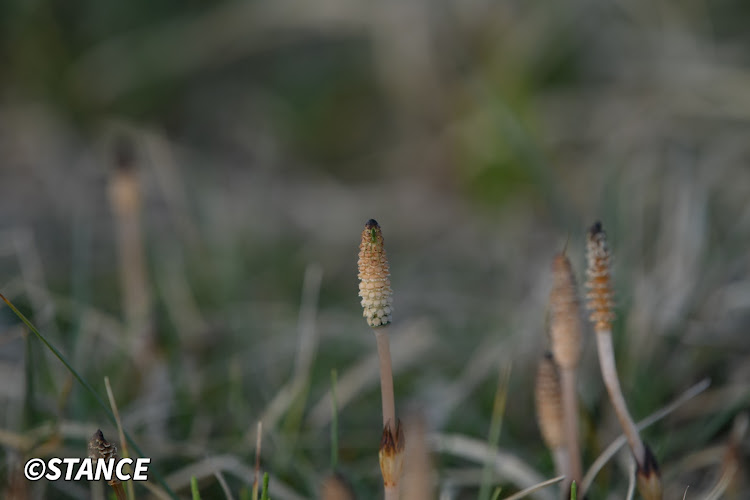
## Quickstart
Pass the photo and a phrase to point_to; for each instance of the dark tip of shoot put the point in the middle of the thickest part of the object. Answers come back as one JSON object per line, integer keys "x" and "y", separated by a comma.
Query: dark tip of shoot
{"x": 124, "y": 154}
{"x": 650, "y": 465}
{"x": 596, "y": 228}
{"x": 372, "y": 223}
{"x": 649, "y": 482}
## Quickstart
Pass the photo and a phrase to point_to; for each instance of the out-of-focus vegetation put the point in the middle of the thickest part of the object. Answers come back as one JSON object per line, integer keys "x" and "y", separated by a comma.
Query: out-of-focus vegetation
{"x": 484, "y": 136}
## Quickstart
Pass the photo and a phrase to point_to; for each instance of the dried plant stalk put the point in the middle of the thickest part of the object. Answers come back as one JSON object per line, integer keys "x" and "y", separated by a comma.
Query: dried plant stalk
{"x": 100, "y": 448}
{"x": 391, "y": 456}
{"x": 377, "y": 296}
{"x": 566, "y": 327}
{"x": 125, "y": 200}
{"x": 549, "y": 412}
{"x": 566, "y": 336}
{"x": 600, "y": 304}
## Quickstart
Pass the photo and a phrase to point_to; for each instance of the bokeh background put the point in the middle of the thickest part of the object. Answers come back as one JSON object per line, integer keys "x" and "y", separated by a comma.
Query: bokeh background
{"x": 259, "y": 136}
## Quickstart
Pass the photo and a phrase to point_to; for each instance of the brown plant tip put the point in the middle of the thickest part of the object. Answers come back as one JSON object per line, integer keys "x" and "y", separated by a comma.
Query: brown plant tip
{"x": 648, "y": 477}
{"x": 124, "y": 154}
{"x": 391, "y": 454}
{"x": 565, "y": 325}
{"x": 374, "y": 276}
{"x": 599, "y": 296}
{"x": 549, "y": 407}
{"x": 101, "y": 448}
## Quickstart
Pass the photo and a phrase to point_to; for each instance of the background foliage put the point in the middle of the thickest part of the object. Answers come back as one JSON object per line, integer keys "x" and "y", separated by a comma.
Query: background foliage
{"x": 484, "y": 136}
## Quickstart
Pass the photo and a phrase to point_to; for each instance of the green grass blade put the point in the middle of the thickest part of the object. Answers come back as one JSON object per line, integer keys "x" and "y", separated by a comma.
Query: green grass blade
{"x": 89, "y": 388}
{"x": 334, "y": 423}
{"x": 498, "y": 410}
{"x": 194, "y": 488}
{"x": 264, "y": 494}
{"x": 496, "y": 493}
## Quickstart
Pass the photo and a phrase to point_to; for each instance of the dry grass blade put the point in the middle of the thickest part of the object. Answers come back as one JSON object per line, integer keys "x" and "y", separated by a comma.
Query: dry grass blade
{"x": 531, "y": 489}
{"x": 224, "y": 486}
{"x": 256, "y": 476}
{"x": 307, "y": 349}
{"x": 731, "y": 463}
{"x": 120, "y": 433}
{"x": 506, "y": 465}
{"x": 618, "y": 443}
{"x": 632, "y": 472}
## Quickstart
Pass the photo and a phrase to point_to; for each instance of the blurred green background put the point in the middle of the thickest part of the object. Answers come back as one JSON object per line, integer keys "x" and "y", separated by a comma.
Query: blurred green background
{"x": 484, "y": 136}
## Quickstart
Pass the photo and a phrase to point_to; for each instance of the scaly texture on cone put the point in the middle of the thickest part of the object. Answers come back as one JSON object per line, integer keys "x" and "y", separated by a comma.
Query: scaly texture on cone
{"x": 599, "y": 281}
{"x": 101, "y": 448}
{"x": 649, "y": 478}
{"x": 391, "y": 454}
{"x": 374, "y": 276}
{"x": 565, "y": 324}
{"x": 549, "y": 407}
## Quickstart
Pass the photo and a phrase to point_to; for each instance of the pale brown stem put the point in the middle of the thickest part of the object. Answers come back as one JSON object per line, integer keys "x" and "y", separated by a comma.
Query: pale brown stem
{"x": 570, "y": 418}
{"x": 612, "y": 382}
{"x": 386, "y": 376}
{"x": 391, "y": 493}
{"x": 560, "y": 458}
{"x": 125, "y": 198}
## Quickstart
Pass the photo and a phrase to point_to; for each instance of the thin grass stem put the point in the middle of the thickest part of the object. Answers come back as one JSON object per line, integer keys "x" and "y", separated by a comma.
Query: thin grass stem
{"x": 120, "y": 433}
{"x": 334, "y": 423}
{"x": 496, "y": 425}
{"x": 531, "y": 489}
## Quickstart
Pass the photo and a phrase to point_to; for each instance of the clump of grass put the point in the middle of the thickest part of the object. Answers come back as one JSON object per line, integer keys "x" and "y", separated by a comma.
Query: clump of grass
{"x": 600, "y": 303}
{"x": 87, "y": 386}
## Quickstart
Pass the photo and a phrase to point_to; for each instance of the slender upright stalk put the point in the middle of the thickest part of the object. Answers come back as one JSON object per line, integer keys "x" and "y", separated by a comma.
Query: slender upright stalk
{"x": 549, "y": 413}
{"x": 125, "y": 200}
{"x": 375, "y": 291}
{"x": 600, "y": 304}
{"x": 386, "y": 374}
{"x": 100, "y": 448}
{"x": 566, "y": 336}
